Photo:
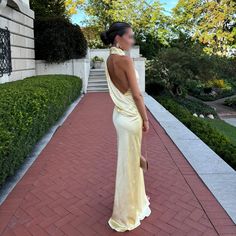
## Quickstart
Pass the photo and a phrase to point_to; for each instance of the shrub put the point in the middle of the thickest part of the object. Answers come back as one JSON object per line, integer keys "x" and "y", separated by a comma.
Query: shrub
{"x": 218, "y": 83}
{"x": 231, "y": 102}
{"x": 28, "y": 108}
{"x": 97, "y": 58}
{"x": 212, "y": 137}
{"x": 170, "y": 69}
{"x": 58, "y": 40}
{"x": 173, "y": 68}
{"x": 195, "y": 106}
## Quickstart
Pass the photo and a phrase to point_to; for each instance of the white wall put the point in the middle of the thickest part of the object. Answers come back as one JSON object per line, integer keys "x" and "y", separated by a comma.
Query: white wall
{"x": 20, "y": 24}
{"x": 77, "y": 67}
{"x": 26, "y": 2}
{"x": 139, "y": 64}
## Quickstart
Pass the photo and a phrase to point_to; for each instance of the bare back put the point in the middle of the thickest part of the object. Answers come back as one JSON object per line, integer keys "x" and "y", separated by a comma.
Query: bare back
{"x": 115, "y": 66}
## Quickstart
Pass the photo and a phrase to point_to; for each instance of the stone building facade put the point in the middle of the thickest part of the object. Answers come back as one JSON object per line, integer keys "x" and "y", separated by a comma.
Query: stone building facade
{"x": 17, "y": 56}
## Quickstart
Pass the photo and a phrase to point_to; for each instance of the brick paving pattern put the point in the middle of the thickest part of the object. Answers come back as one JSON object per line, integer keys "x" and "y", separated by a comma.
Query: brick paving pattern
{"x": 69, "y": 189}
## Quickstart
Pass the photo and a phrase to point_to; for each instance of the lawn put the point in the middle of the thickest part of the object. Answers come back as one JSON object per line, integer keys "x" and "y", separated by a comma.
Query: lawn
{"x": 225, "y": 128}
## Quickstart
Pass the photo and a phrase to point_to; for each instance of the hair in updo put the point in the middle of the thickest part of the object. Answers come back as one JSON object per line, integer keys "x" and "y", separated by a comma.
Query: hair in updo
{"x": 117, "y": 28}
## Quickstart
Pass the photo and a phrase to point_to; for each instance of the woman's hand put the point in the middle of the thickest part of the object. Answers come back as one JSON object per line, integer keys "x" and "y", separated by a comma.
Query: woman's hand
{"x": 145, "y": 125}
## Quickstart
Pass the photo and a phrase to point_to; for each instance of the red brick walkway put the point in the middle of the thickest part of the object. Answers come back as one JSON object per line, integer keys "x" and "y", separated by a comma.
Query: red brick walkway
{"x": 69, "y": 188}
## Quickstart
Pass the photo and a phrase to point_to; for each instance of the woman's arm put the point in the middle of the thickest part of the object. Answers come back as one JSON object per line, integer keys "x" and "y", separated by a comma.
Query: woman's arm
{"x": 136, "y": 93}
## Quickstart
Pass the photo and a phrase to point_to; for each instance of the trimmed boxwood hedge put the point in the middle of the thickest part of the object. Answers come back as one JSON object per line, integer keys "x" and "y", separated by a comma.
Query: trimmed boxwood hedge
{"x": 28, "y": 108}
{"x": 212, "y": 137}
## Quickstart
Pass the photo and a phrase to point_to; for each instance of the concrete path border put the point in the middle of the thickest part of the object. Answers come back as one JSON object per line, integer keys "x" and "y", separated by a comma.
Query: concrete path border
{"x": 13, "y": 180}
{"x": 218, "y": 176}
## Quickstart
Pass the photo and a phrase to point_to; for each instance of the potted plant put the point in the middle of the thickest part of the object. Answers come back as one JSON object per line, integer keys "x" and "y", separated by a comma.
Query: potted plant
{"x": 97, "y": 62}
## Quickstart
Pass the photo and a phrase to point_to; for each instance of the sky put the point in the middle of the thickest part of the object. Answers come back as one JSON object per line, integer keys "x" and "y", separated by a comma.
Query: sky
{"x": 167, "y": 4}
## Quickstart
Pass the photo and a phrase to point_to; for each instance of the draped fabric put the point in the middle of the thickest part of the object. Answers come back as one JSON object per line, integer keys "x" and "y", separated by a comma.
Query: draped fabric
{"x": 131, "y": 204}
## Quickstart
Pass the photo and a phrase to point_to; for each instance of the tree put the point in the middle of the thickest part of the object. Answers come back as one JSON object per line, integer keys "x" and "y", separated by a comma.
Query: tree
{"x": 55, "y": 8}
{"x": 48, "y": 8}
{"x": 211, "y": 22}
{"x": 58, "y": 40}
{"x": 146, "y": 17}
{"x": 72, "y": 5}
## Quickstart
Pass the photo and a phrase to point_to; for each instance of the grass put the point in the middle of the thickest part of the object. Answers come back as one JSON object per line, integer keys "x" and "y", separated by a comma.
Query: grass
{"x": 223, "y": 127}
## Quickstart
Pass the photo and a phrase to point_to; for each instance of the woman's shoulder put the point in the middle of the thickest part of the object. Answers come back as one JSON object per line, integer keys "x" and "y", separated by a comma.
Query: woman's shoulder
{"x": 126, "y": 62}
{"x": 127, "y": 58}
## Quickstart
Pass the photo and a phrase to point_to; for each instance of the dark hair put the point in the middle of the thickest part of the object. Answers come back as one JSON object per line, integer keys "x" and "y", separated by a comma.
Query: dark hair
{"x": 117, "y": 28}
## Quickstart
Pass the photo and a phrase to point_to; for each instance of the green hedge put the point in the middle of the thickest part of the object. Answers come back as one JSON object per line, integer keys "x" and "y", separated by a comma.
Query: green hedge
{"x": 28, "y": 108}
{"x": 212, "y": 137}
{"x": 231, "y": 102}
{"x": 196, "y": 106}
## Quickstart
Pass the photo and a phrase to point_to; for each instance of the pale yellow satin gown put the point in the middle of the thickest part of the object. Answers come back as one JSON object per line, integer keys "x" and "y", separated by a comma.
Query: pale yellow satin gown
{"x": 131, "y": 204}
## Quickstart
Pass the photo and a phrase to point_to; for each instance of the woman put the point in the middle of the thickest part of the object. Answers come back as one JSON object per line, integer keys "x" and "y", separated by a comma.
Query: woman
{"x": 131, "y": 204}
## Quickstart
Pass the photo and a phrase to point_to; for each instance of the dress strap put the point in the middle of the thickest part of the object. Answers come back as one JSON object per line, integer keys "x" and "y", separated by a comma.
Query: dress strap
{"x": 116, "y": 50}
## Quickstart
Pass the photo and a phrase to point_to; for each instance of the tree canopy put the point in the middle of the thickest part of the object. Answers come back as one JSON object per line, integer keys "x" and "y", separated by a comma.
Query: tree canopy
{"x": 72, "y": 5}
{"x": 145, "y": 17}
{"x": 48, "y": 8}
{"x": 213, "y": 23}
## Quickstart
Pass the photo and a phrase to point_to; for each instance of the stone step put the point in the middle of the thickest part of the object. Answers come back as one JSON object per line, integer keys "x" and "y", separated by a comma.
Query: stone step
{"x": 97, "y": 70}
{"x": 92, "y": 91}
{"x": 97, "y": 86}
{"x": 97, "y": 73}
{"x": 102, "y": 77}
{"x": 97, "y": 81}
{"x": 97, "y": 89}
{"x": 94, "y": 83}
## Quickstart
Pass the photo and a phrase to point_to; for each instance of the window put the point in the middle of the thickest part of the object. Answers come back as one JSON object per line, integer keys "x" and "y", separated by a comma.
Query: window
{"x": 5, "y": 52}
